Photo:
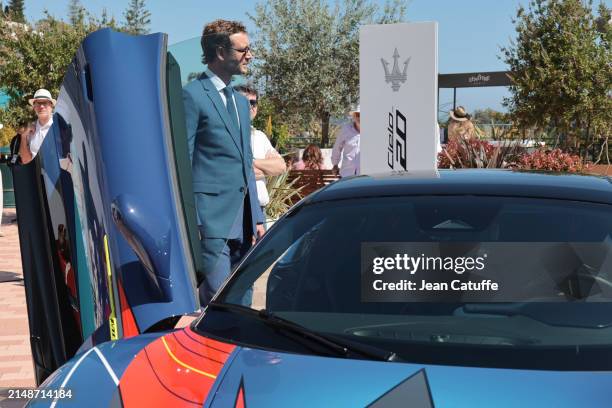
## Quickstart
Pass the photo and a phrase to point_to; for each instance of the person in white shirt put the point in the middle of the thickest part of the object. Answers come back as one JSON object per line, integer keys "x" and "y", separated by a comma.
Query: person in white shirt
{"x": 267, "y": 161}
{"x": 347, "y": 146}
{"x": 43, "y": 105}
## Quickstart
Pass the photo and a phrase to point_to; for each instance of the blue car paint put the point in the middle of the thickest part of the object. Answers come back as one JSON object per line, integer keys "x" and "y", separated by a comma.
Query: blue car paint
{"x": 90, "y": 382}
{"x": 280, "y": 379}
{"x": 479, "y": 387}
{"x": 273, "y": 379}
{"x": 114, "y": 92}
{"x": 128, "y": 94}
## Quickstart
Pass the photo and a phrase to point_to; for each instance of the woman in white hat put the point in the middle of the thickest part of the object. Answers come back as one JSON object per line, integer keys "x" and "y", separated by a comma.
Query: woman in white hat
{"x": 460, "y": 126}
{"x": 43, "y": 104}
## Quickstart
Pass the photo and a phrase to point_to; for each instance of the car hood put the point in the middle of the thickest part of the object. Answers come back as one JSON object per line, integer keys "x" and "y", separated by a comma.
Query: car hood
{"x": 266, "y": 378}
{"x": 184, "y": 368}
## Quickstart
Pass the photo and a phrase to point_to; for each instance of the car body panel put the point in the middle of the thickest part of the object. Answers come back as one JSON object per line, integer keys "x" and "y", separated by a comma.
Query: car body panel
{"x": 177, "y": 369}
{"x": 130, "y": 113}
{"x": 93, "y": 374}
{"x": 297, "y": 380}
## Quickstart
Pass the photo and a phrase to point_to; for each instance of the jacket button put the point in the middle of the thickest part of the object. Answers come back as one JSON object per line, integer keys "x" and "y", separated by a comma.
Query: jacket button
{"x": 242, "y": 189}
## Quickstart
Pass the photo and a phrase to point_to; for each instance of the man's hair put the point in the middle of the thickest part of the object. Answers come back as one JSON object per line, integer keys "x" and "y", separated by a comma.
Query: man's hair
{"x": 215, "y": 35}
{"x": 247, "y": 89}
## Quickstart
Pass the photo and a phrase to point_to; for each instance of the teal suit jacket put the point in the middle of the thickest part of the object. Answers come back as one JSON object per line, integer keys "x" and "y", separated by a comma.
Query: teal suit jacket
{"x": 221, "y": 159}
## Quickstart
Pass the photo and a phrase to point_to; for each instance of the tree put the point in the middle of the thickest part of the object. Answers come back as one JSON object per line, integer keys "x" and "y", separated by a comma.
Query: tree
{"x": 562, "y": 74}
{"x": 37, "y": 56}
{"x": 16, "y": 11}
{"x": 6, "y": 134}
{"x": 488, "y": 116}
{"x": 103, "y": 22}
{"x": 310, "y": 70}
{"x": 76, "y": 13}
{"x": 106, "y": 21}
{"x": 34, "y": 57}
{"x": 137, "y": 18}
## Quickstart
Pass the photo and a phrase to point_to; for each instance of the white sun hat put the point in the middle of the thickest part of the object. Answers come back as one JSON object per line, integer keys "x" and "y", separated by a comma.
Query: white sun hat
{"x": 42, "y": 94}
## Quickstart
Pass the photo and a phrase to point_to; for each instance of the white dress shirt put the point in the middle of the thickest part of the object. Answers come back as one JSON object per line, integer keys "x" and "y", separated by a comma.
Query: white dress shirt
{"x": 347, "y": 148}
{"x": 220, "y": 85}
{"x": 36, "y": 140}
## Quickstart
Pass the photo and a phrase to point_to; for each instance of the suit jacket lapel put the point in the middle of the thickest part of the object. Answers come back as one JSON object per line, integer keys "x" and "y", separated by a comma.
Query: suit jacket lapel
{"x": 214, "y": 96}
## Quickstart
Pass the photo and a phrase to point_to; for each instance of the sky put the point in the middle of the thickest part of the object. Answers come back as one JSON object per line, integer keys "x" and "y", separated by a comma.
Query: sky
{"x": 470, "y": 32}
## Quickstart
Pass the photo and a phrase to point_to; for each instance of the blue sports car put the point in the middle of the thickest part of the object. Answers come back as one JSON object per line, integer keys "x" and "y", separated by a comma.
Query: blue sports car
{"x": 444, "y": 289}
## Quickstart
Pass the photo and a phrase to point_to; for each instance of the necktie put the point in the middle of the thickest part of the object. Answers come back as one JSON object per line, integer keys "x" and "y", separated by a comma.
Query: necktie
{"x": 231, "y": 109}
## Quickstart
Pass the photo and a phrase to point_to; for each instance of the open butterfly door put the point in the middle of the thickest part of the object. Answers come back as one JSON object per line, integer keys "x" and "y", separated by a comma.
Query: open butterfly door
{"x": 106, "y": 218}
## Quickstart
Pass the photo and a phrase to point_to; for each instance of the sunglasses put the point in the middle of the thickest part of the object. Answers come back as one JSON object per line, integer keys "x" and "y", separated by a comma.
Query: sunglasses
{"x": 253, "y": 103}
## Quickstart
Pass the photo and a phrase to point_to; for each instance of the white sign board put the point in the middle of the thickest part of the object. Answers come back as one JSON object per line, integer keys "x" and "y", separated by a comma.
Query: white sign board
{"x": 398, "y": 77}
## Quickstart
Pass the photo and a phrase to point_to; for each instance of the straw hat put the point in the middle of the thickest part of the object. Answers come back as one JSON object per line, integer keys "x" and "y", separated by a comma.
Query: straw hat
{"x": 42, "y": 94}
{"x": 459, "y": 114}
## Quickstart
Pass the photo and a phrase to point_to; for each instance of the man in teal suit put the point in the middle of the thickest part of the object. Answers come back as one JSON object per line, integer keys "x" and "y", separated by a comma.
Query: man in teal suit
{"x": 218, "y": 132}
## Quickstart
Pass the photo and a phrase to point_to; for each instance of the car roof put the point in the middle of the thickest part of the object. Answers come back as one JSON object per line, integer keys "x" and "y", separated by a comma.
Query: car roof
{"x": 489, "y": 182}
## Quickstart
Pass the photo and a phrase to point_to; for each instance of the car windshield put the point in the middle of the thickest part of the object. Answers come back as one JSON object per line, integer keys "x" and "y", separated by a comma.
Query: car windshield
{"x": 342, "y": 268}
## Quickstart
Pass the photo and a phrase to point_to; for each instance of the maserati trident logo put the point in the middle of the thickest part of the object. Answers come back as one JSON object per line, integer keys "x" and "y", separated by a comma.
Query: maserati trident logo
{"x": 396, "y": 77}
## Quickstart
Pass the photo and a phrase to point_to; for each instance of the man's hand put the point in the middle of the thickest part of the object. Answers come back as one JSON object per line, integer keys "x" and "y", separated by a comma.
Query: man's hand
{"x": 259, "y": 233}
{"x": 24, "y": 148}
{"x": 259, "y": 174}
{"x": 272, "y": 165}
{"x": 335, "y": 169}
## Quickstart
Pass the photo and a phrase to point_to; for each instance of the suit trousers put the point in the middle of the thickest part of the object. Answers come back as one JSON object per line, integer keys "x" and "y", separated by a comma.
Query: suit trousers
{"x": 220, "y": 255}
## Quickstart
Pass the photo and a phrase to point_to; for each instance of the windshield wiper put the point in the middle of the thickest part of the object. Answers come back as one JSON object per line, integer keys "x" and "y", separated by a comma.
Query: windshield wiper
{"x": 337, "y": 346}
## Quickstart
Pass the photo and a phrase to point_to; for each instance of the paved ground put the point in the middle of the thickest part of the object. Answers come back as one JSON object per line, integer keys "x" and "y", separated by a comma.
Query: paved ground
{"x": 15, "y": 355}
